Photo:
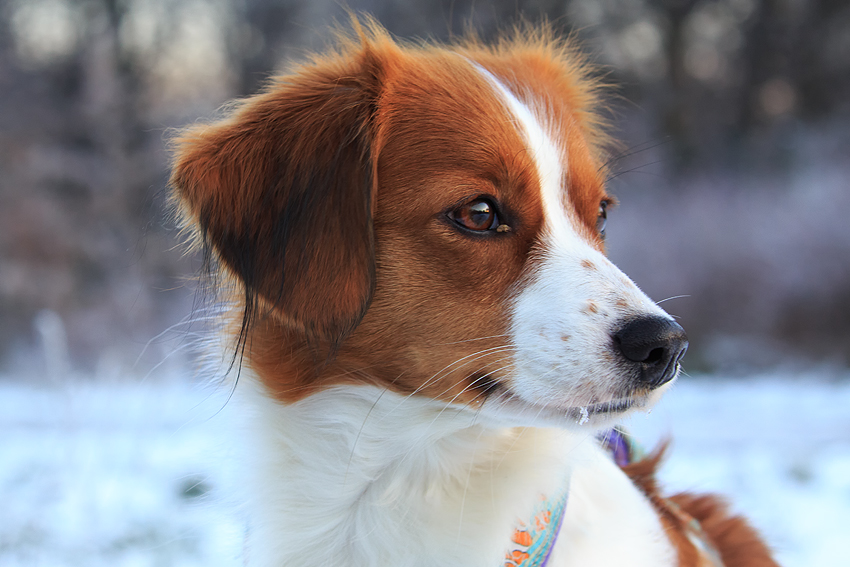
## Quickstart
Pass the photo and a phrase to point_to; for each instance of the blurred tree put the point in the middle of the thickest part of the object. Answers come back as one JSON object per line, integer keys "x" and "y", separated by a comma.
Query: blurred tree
{"x": 88, "y": 89}
{"x": 82, "y": 162}
{"x": 262, "y": 39}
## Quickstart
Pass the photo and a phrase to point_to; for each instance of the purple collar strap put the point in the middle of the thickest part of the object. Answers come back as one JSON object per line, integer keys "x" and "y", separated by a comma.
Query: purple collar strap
{"x": 621, "y": 446}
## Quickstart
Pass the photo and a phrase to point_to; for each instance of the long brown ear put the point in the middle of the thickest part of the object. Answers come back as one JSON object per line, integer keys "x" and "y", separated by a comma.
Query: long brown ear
{"x": 282, "y": 193}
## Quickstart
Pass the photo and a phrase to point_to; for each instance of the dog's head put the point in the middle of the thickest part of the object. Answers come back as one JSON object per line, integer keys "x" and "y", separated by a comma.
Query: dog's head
{"x": 434, "y": 217}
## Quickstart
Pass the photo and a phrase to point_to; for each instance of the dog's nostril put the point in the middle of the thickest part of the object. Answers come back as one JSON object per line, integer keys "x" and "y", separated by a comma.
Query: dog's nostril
{"x": 655, "y": 355}
{"x": 655, "y": 344}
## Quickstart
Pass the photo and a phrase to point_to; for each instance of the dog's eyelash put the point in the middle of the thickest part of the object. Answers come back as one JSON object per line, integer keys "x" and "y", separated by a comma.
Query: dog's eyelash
{"x": 602, "y": 217}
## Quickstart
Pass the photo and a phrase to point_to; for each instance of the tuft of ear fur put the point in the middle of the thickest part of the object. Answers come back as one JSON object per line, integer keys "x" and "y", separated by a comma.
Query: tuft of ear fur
{"x": 281, "y": 192}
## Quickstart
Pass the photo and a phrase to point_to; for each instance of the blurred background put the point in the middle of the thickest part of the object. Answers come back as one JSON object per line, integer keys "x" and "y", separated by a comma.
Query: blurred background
{"x": 733, "y": 179}
{"x": 732, "y": 176}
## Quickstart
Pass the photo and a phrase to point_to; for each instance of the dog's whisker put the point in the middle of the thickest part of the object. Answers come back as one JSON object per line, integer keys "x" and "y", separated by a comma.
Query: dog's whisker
{"x": 636, "y": 149}
{"x": 637, "y": 169}
{"x": 481, "y": 370}
{"x": 439, "y": 414}
{"x": 359, "y": 434}
{"x": 171, "y": 354}
{"x": 187, "y": 321}
{"x": 671, "y": 298}
{"x": 469, "y": 359}
{"x": 466, "y": 486}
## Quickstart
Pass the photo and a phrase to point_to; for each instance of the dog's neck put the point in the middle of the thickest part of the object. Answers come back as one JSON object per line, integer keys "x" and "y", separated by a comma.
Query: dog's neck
{"x": 361, "y": 476}
{"x": 356, "y": 475}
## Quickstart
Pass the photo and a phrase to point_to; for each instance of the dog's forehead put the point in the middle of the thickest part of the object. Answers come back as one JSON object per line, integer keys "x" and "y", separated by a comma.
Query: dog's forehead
{"x": 441, "y": 117}
{"x": 570, "y": 178}
{"x": 497, "y": 123}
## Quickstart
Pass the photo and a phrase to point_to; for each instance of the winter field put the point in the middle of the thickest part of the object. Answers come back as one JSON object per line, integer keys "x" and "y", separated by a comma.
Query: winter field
{"x": 130, "y": 474}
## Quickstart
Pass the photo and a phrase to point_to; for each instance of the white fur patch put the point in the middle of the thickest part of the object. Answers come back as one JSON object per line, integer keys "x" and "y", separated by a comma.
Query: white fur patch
{"x": 356, "y": 475}
{"x": 609, "y": 523}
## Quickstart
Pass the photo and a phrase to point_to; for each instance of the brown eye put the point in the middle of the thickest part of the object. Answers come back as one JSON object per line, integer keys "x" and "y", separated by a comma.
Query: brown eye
{"x": 602, "y": 218}
{"x": 478, "y": 215}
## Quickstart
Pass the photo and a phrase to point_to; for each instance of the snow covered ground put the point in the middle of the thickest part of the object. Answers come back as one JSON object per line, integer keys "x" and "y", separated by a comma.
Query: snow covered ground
{"x": 128, "y": 474}
{"x": 778, "y": 447}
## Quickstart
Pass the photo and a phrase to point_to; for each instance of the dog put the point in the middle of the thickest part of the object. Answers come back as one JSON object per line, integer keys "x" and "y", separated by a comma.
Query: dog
{"x": 429, "y": 336}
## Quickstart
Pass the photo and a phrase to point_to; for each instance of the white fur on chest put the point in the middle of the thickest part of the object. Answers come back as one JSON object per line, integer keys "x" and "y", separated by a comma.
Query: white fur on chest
{"x": 609, "y": 522}
{"x": 356, "y": 476}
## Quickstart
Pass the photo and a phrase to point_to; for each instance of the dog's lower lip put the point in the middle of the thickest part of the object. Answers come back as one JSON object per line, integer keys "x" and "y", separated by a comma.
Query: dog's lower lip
{"x": 583, "y": 414}
{"x": 580, "y": 413}
{"x": 614, "y": 406}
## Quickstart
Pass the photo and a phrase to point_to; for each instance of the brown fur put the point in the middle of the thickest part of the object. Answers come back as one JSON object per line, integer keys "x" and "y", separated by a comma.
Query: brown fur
{"x": 325, "y": 198}
{"x": 736, "y": 541}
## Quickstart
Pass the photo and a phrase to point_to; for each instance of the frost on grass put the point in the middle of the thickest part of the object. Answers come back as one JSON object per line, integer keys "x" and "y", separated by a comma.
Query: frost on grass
{"x": 112, "y": 475}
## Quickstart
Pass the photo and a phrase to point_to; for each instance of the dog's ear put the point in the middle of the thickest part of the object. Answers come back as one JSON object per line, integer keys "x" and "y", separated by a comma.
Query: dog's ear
{"x": 281, "y": 192}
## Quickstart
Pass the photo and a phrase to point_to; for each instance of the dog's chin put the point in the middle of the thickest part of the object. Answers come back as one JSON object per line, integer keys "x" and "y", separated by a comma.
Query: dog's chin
{"x": 511, "y": 408}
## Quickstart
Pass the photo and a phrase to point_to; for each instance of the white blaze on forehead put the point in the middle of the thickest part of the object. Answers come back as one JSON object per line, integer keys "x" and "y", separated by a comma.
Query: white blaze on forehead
{"x": 545, "y": 152}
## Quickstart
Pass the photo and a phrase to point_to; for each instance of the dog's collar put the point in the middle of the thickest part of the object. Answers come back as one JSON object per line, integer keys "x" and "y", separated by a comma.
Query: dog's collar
{"x": 621, "y": 446}
{"x": 532, "y": 541}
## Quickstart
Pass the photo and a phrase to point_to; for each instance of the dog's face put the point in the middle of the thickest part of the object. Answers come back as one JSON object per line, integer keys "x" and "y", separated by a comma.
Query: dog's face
{"x": 435, "y": 218}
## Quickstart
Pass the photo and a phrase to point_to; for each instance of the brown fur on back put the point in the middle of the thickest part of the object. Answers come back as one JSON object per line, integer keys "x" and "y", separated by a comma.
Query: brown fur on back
{"x": 735, "y": 540}
{"x": 738, "y": 543}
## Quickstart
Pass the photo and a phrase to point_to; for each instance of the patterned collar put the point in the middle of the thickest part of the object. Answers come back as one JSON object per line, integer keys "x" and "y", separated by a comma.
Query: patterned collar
{"x": 532, "y": 541}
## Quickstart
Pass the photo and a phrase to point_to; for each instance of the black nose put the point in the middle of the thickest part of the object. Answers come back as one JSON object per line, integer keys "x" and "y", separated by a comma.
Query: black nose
{"x": 653, "y": 344}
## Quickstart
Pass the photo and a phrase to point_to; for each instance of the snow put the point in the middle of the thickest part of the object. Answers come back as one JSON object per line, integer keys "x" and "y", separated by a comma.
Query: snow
{"x": 131, "y": 474}
{"x": 111, "y": 474}
{"x": 778, "y": 448}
